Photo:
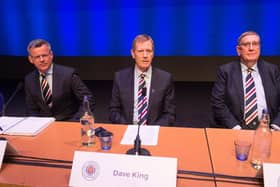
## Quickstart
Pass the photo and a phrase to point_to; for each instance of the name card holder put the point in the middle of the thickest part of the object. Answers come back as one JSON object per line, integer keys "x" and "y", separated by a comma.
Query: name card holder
{"x": 271, "y": 174}
{"x": 106, "y": 169}
{"x": 5, "y": 148}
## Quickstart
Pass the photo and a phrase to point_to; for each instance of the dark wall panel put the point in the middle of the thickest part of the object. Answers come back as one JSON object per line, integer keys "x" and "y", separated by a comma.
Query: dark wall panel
{"x": 183, "y": 68}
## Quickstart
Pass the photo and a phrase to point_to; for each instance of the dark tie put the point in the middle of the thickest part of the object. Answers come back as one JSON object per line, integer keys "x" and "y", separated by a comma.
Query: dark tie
{"x": 251, "y": 109}
{"x": 142, "y": 105}
{"x": 46, "y": 91}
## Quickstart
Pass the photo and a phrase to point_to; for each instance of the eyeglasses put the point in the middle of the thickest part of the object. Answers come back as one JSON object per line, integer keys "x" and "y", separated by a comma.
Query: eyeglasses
{"x": 249, "y": 44}
{"x": 148, "y": 51}
{"x": 38, "y": 57}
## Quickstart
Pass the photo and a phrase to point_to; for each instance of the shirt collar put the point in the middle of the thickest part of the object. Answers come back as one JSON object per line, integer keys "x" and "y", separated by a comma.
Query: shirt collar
{"x": 244, "y": 68}
{"x": 49, "y": 72}
{"x": 147, "y": 73}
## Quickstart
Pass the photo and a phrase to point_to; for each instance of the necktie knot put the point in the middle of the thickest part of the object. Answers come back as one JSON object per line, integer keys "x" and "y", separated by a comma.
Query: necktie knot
{"x": 142, "y": 76}
{"x": 250, "y": 70}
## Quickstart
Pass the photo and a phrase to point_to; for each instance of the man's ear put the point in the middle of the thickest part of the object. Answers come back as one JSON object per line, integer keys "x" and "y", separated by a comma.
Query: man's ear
{"x": 30, "y": 59}
{"x": 132, "y": 53}
{"x": 237, "y": 50}
{"x": 51, "y": 54}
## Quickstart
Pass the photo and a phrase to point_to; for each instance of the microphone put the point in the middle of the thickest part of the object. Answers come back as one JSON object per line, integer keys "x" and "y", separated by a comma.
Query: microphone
{"x": 137, "y": 150}
{"x": 5, "y": 105}
{"x": 144, "y": 91}
{"x": 1, "y": 103}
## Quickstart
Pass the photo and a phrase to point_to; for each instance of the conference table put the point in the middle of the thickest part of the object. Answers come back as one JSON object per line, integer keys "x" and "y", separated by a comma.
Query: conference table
{"x": 221, "y": 146}
{"x": 205, "y": 156}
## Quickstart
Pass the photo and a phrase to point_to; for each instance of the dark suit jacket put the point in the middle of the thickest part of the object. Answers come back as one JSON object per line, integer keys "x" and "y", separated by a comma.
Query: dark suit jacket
{"x": 228, "y": 93}
{"x": 67, "y": 93}
{"x": 161, "y": 108}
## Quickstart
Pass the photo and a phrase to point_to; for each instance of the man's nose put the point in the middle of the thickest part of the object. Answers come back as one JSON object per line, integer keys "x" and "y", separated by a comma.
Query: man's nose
{"x": 145, "y": 54}
{"x": 41, "y": 58}
{"x": 251, "y": 46}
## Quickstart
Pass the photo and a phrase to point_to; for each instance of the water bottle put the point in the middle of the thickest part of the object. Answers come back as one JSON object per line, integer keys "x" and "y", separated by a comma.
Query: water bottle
{"x": 87, "y": 124}
{"x": 262, "y": 142}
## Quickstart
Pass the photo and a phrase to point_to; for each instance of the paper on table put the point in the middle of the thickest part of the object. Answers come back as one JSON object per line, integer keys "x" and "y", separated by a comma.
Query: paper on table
{"x": 148, "y": 135}
{"x": 30, "y": 126}
{"x": 8, "y": 122}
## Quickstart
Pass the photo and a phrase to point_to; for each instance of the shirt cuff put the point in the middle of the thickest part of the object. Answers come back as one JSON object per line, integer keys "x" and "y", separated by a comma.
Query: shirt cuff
{"x": 237, "y": 127}
{"x": 275, "y": 127}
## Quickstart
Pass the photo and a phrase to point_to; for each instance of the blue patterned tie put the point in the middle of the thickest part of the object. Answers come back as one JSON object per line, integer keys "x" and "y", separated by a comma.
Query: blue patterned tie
{"x": 251, "y": 108}
{"x": 142, "y": 105}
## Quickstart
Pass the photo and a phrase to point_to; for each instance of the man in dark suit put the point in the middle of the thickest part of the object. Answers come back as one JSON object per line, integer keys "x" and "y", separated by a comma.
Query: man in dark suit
{"x": 244, "y": 88}
{"x": 61, "y": 94}
{"x": 158, "y": 102}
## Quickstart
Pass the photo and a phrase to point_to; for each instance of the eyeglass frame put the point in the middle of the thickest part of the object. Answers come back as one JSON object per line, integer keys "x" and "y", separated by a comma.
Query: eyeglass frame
{"x": 38, "y": 57}
{"x": 254, "y": 44}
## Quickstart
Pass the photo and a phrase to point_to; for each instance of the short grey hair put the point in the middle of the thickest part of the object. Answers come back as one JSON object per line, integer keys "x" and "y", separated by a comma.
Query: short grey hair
{"x": 247, "y": 33}
{"x": 37, "y": 43}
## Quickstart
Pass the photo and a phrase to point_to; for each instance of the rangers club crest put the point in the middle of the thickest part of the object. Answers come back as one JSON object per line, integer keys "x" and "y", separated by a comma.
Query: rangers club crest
{"x": 90, "y": 170}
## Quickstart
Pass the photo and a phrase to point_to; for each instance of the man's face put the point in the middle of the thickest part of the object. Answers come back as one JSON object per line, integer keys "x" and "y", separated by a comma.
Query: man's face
{"x": 41, "y": 57}
{"x": 143, "y": 54}
{"x": 249, "y": 49}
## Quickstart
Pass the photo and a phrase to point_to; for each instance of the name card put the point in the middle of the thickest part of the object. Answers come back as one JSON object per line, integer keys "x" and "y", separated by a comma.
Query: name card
{"x": 271, "y": 174}
{"x": 106, "y": 169}
{"x": 6, "y": 148}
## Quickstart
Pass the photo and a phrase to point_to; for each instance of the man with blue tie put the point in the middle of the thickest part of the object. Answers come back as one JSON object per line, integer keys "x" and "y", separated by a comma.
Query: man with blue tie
{"x": 143, "y": 94}
{"x": 245, "y": 87}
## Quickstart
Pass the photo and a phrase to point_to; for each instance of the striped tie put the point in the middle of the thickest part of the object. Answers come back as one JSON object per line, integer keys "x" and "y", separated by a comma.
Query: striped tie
{"x": 142, "y": 105}
{"x": 251, "y": 109}
{"x": 46, "y": 91}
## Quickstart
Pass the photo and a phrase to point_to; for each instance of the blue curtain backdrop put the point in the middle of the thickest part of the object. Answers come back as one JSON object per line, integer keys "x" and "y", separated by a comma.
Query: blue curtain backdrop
{"x": 107, "y": 27}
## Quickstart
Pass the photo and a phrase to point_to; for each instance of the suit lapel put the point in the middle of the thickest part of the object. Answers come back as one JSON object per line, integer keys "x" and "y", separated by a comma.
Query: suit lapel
{"x": 152, "y": 92}
{"x": 239, "y": 86}
{"x": 130, "y": 94}
{"x": 38, "y": 86}
{"x": 55, "y": 86}
{"x": 266, "y": 82}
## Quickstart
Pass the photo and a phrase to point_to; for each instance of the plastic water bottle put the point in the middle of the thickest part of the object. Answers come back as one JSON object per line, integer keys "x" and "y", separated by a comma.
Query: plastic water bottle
{"x": 87, "y": 124}
{"x": 262, "y": 142}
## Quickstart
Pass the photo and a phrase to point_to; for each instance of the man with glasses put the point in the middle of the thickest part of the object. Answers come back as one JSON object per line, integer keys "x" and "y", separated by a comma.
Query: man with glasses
{"x": 53, "y": 90}
{"x": 143, "y": 94}
{"x": 245, "y": 87}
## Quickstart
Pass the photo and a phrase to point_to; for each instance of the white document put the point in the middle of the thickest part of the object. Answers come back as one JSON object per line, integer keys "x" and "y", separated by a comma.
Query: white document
{"x": 115, "y": 170}
{"x": 8, "y": 122}
{"x": 148, "y": 134}
{"x": 271, "y": 174}
{"x": 27, "y": 126}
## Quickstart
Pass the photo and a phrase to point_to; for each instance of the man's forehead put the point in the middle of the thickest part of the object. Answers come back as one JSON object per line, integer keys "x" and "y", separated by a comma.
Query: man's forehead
{"x": 251, "y": 37}
{"x": 146, "y": 43}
